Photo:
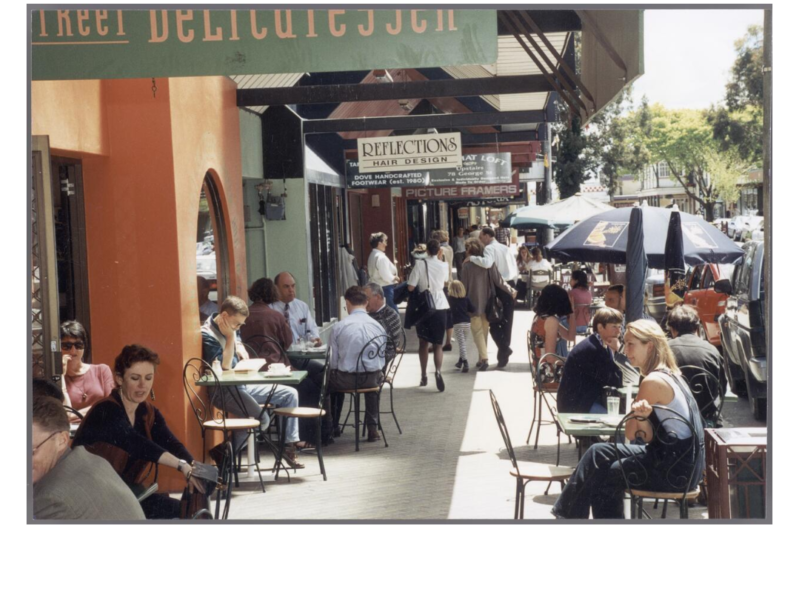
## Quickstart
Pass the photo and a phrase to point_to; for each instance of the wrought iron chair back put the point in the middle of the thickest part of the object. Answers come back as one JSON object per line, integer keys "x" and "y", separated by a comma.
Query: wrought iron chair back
{"x": 672, "y": 466}
{"x": 394, "y": 357}
{"x": 706, "y": 390}
{"x": 375, "y": 349}
{"x": 266, "y": 347}
{"x": 214, "y": 406}
{"x": 501, "y": 424}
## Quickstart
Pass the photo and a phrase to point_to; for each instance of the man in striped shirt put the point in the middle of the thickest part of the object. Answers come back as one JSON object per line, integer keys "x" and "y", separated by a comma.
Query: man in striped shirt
{"x": 389, "y": 319}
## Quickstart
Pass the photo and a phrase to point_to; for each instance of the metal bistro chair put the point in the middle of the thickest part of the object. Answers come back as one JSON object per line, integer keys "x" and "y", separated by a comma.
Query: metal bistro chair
{"x": 377, "y": 347}
{"x": 532, "y": 364}
{"x": 706, "y": 391}
{"x": 304, "y": 412}
{"x": 269, "y": 348}
{"x": 530, "y": 471}
{"x": 390, "y": 371}
{"x": 549, "y": 371}
{"x": 211, "y": 418}
{"x": 678, "y": 458}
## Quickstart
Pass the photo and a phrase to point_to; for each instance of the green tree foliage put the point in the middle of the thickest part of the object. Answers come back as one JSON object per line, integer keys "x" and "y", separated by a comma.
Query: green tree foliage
{"x": 738, "y": 125}
{"x": 572, "y": 163}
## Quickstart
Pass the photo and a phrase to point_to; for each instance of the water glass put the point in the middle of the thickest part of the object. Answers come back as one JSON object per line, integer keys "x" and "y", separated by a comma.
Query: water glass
{"x": 613, "y": 405}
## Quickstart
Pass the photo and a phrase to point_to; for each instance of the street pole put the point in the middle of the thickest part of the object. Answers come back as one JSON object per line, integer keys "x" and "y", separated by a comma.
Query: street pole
{"x": 547, "y": 233}
{"x": 767, "y": 173}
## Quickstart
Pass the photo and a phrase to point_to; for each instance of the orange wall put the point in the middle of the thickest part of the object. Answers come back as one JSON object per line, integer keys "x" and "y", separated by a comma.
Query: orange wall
{"x": 143, "y": 169}
{"x": 79, "y": 128}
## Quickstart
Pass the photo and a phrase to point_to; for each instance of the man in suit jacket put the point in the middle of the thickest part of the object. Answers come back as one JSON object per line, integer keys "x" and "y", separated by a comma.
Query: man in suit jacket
{"x": 590, "y": 367}
{"x": 73, "y": 484}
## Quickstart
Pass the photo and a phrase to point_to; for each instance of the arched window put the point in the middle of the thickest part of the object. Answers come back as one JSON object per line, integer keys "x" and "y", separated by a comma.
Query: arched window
{"x": 213, "y": 279}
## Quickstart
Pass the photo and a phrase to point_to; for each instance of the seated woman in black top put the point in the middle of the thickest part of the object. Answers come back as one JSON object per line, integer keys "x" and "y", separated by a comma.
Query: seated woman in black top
{"x": 128, "y": 431}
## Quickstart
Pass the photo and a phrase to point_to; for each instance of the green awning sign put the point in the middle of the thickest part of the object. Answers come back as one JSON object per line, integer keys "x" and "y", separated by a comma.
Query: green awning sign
{"x": 117, "y": 44}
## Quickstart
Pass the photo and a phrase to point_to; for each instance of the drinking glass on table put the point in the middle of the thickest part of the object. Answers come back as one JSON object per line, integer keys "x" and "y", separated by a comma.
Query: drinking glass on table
{"x": 612, "y": 403}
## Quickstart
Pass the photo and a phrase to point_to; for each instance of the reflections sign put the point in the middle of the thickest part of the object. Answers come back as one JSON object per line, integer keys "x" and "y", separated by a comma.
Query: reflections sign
{"x": 115, "y": 44}
{"x": 489, "y": 168}
{"x": 409, "y": 152}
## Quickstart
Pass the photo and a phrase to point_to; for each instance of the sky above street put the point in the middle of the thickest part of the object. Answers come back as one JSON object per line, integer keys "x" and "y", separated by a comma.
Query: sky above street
{"x": 688, "y": 54}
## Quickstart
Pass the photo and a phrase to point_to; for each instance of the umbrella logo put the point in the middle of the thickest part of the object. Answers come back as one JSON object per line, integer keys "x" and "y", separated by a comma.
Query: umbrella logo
{"x": 698, "y": 236}
{"x": 605, "y": 234}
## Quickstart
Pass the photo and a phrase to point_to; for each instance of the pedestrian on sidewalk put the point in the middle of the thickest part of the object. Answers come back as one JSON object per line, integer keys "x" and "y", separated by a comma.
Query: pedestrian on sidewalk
{"x": 460, "y": 308}
{"x": 478, "y": 283}
{"x": 381, "y": 270}
{"x": 496, "y": 254}
{"x": 430, "y": 274}
{"x": 441, "y": 236}
{"x": 459, "y": 250}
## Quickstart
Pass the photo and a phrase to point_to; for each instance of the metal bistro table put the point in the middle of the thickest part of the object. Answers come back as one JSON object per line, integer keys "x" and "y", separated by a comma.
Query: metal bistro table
{"x": 311, "y": 353}
{"x": 606, "y": 425}
{"x": 231, "y": 379}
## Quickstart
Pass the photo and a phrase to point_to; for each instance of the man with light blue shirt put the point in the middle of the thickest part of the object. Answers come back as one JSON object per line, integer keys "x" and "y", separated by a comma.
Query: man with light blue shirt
{"x": 347, "y": 372}
{"x": 303, "y": 325}
{"x": 296, "y": 312}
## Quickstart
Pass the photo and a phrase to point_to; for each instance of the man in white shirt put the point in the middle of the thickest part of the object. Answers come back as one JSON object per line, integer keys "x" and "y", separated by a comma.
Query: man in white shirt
{"x": 349, "y": 369}
{"x": 497, "y": 254}
{"x": 380, "y": 268}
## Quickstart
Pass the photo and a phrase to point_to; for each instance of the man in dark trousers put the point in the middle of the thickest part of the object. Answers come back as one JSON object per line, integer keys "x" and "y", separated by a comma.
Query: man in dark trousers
{"x": 692, "y": 351}
{"x": 590, "y": 367}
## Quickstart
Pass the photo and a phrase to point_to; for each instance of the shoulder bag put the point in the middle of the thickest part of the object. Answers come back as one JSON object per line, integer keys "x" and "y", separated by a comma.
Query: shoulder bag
{"x": 494, "y": 306}
{"x": 423, "y": 304}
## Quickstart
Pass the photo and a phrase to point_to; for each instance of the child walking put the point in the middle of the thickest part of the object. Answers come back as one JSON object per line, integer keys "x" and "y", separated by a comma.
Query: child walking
{"x": 460, "y": 307}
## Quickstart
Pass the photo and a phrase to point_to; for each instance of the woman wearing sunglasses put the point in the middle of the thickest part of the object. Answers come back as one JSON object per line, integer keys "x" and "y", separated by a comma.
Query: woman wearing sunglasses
{"x": 83, "y": 384}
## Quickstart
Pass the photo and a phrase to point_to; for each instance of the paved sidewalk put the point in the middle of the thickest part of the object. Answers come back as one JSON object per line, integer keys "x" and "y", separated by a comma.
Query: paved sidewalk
{"x": 449, "y": 462}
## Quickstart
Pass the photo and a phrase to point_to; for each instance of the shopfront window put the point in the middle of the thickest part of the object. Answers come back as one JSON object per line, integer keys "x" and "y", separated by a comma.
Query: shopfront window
{"x": 211, "y": 251}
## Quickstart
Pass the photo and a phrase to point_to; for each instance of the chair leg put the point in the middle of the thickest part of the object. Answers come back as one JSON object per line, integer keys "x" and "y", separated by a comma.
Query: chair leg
{"x": 357, "y": 402}
{"x": 558, "y": 448}
{"x": 517, "y": 499}
{"x": 533, "y": 420}
{"x": 664, "y": 509}
{"x": 349, "y": 410}
{"x": 319, "y": 449}
{"x": 521, "y": 500}
{"x": 547, "y": 489}
{"x": 391, "y": 405}
{"x": 538, "y": 427}
{"x": 380, "y": 425}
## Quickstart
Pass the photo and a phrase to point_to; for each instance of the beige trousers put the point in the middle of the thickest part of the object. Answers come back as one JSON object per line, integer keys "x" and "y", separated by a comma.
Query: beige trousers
{"x": 480, "y": 333}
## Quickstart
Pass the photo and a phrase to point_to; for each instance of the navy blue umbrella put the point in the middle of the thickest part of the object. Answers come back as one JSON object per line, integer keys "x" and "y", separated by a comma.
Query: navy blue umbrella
{"x": 604, "y": 238}
{"x": 674, "y": 262}
{"x": 635, "y": 267}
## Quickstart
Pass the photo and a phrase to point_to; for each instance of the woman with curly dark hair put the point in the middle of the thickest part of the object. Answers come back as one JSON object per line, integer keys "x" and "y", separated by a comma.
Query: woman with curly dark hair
{"x": 548, "y": 335}
{"x": 264, "y": 320}
{"x": 129, "y": 431}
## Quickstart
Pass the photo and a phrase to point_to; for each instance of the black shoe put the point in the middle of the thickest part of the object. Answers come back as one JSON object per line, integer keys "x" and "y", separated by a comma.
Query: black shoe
{"x": 483, "y": 366}
{"x": 337, "y": 432}
{"x": 439, "y": 381}
{"x": 424, "y": 381}
{"x": 447, "y": 348}
{"x": 502, "y": 361}
{"x": 509, "y": 352}
{"x": 465, "y": 367}
{"x": 460, "y": 362}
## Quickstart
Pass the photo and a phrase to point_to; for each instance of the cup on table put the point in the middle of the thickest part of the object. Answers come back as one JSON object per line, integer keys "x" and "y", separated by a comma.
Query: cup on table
{"x": 612, "y": 403}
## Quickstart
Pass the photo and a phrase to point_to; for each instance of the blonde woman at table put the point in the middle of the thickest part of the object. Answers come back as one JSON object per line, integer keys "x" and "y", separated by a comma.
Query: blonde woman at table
{"x": 598, "y": 482}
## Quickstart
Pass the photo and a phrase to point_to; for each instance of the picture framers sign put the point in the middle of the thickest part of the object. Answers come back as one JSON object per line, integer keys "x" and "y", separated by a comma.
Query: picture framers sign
{"x": 409, "y": 152}
{"x": 117, "y": 44}
{"x": 454, "y": 192}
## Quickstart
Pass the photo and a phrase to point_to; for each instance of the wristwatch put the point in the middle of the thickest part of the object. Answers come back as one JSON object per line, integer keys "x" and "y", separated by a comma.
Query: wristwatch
{"x": 182, "y": 463}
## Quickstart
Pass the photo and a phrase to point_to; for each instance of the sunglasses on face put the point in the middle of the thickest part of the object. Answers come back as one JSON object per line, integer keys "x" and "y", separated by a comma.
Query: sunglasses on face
{"x": 70, "y": 345}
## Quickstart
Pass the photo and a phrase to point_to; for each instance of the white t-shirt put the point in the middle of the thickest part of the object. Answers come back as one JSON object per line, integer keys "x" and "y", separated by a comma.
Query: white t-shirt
{"x": 437, "y": 272}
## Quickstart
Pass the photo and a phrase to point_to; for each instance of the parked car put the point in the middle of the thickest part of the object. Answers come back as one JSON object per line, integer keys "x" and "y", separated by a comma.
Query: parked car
{"x": 740, "y": 225}
{"x": 743, "y": 329}
{"x": 710, "y": 304}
